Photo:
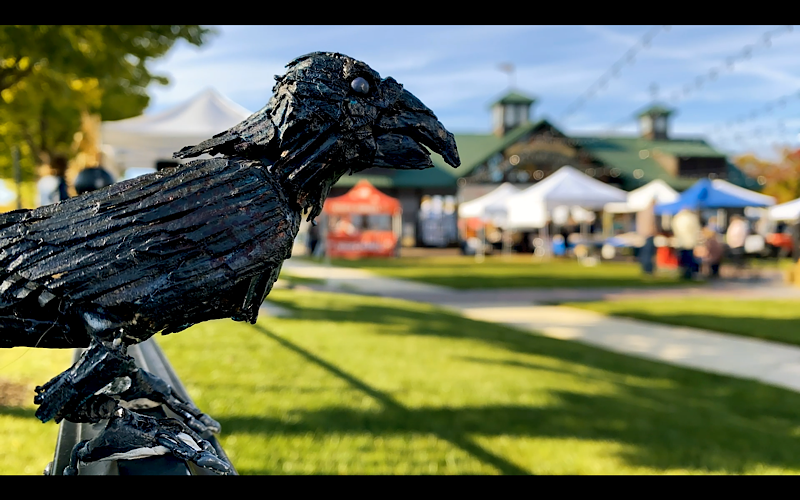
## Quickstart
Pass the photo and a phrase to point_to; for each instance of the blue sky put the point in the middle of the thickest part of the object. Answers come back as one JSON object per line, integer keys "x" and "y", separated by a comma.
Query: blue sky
{"x": 455, "y": 71}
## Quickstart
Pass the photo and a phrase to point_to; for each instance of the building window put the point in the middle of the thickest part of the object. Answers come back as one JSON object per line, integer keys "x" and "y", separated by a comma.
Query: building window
{"x": 521, "y": 112}
{"x": 660, "y": 124}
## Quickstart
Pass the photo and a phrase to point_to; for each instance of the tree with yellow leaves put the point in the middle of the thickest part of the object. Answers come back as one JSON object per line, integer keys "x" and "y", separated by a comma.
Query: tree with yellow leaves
{"x": 780, "y": 179}
{"x": 55, "y": 81}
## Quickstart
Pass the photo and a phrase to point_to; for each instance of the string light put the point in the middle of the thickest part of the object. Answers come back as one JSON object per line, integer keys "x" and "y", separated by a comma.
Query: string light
{"x": 744, "y": 54}
{"x": 614, "y": 70}
{"x": 764, "y": 108}
{"x": 712, "y": 74}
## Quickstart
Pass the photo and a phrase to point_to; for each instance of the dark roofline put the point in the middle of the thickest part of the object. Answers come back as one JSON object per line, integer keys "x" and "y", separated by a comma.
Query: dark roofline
{"x": 656, "y": 110}
{"x": 514, "y": 97}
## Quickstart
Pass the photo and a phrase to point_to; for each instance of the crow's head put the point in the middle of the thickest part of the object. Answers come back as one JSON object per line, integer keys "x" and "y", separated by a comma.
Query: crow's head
{"x": 330, "y": 114}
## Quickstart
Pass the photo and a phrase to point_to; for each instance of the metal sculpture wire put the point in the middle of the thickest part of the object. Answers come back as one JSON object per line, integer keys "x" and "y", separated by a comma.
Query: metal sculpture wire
{"x": 201, "y": 241}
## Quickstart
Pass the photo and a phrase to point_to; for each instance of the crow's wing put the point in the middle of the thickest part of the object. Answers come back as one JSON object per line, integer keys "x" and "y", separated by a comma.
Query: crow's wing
{"x": 250, "y": 138}
{"x": 158, "y": 252}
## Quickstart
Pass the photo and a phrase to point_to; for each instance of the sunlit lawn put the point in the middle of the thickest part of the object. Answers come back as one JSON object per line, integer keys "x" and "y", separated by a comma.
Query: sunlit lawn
{"x": 292, "y": 281}
{"x": 360, "y": 385}
{"x": 514, "y": 271}
{"x": 26, "y": 445}
{"x": 777, "y": 320}
{"x": 364, "y": 385}
{"x": 784, "y": 264}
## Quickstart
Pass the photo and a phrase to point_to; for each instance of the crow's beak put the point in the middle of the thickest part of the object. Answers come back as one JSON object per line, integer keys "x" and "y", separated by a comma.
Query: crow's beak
{"x": 403, "y": 132}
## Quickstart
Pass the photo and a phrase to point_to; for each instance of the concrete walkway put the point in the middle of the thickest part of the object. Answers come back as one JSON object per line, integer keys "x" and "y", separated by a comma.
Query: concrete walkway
{"x": 769, "y": 362}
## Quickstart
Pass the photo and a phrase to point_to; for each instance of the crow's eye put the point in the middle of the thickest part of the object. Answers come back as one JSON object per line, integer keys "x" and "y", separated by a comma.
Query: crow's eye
{"x": 360, "y": 85}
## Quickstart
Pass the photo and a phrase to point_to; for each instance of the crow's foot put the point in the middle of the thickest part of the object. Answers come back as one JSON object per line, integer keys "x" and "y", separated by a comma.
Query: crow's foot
{"x": 82, "y": 393}
{"x": 105, "y": 374}
{"x": 147, "y": 390}
{"x": 131, "y": 436}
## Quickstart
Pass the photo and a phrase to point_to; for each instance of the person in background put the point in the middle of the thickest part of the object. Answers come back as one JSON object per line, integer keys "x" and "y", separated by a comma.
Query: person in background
{"x": 313, "y": 238}
{"x": 794, "y": 231}
{"x": 92, "y": 178}
{"x": 686, "y": 228}
{"x": 646, "y": 228}
{"x": 710, "y": 252}
{"x": 712, "y": 225}
{"x": 738, "y": 231}
{"x": 52, "y": 187}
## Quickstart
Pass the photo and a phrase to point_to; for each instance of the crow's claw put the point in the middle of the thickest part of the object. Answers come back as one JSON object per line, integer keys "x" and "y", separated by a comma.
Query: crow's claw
{"x": 77, "y": 394}
{"x": 148, "y": 390}
{"x": 130, "y": 436}
{"x": 203, "y": 455}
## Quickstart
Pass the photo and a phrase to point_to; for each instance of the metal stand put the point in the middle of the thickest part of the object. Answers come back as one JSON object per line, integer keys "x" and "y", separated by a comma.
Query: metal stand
{"x": 149, "y": 357}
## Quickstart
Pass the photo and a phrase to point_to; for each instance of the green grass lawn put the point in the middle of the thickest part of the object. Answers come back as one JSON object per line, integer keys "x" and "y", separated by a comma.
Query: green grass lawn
{"x": 777, "y": 320}
{"x": 783, "y": 264}
{"x": 26, "y": 444}
{"x": 514, "y": 271}
{"x": 293, "y": 281}
{"x": 364, "y": 385}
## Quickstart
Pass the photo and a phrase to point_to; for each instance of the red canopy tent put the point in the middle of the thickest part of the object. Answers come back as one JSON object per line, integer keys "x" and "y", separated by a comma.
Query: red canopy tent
{"x": 362, "y": 223}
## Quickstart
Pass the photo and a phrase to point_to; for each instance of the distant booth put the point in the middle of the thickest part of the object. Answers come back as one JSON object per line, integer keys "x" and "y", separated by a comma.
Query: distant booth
{"x": 362, "y": 223}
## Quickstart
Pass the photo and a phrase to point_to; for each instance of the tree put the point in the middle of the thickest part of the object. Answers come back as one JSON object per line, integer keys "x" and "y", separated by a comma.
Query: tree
{"x": 54, "y": 78}
{"x": 780, "y": 179}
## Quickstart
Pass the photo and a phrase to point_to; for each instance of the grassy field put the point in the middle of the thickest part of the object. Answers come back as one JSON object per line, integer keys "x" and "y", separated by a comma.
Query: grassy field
{"x": 777, "y": 320}
{"x": 514, "y": 271}
{"x": 293, "y": 281}
{"x": 26, "y": 445}
{"x": 783, "y": 264}
{"x": 364, "y": 385}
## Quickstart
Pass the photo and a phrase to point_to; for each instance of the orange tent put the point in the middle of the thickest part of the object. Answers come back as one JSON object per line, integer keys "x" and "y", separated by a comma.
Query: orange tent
{"x": 362, "y": 223}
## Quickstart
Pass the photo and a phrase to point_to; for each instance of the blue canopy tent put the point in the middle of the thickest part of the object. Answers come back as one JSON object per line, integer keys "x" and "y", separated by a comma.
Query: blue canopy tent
{"x": 706, "y": 193}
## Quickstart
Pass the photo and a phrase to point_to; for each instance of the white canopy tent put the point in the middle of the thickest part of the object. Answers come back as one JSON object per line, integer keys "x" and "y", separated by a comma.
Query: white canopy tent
{"x": 137, "y": 143}
{"x": 531, "y": 208}
{"x": 640, "y": 198}
{"x": 491, "y": 206}
{"x": 789, "y": 211}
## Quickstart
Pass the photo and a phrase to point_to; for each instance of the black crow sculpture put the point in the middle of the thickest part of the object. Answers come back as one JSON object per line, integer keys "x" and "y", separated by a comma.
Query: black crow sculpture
{"x": 197, "y": 242}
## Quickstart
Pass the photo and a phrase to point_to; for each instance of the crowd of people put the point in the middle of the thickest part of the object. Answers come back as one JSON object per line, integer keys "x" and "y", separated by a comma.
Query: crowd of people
{"x": 700, "y": 248}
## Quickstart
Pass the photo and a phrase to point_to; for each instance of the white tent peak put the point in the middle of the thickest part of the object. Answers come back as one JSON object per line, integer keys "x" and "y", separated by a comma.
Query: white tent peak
{"x": 570, "y": 186}
{"x": 640, "y": 198}
{"x": 477, "y": 207}
{"x": 207, "y": 113}
{"x": 136, "y": 144}
{"x": 566, "y": 187}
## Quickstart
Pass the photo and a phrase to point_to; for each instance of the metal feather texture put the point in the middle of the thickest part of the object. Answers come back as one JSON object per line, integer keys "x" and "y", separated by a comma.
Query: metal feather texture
{"x": 158, "y": 252}
{"x": 206, "y": 240}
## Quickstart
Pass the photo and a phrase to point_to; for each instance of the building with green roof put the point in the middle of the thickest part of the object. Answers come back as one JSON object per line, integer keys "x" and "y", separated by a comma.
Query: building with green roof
{"x": 523, "y": 152}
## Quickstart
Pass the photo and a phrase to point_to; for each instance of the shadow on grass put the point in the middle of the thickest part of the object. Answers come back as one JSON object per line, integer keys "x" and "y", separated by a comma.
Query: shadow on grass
{"x": 14, "y": 411}
{"x": 657, "y": 435}
{"x": 439, "y": 323}
{"x": 671, "y": 418}
{"x": 390, "y": 405}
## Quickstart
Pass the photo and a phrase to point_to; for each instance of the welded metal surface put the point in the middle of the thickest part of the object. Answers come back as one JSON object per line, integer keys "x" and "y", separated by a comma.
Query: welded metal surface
{"x": 149, "y": 356}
